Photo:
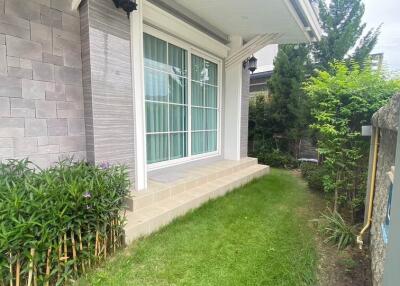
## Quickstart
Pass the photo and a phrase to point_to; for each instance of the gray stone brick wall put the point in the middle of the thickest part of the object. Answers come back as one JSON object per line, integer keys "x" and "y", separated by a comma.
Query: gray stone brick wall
{"x": 386, "y": 119}
{"x": 41, "y": 96}
{"x": 107, "y": 83}
{"x": 244, "y": 120}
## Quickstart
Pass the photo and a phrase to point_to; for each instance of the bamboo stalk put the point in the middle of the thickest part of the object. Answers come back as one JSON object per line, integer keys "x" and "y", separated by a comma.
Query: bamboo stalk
{"x": 81, "y": 249}
{"x": 116, "y": 233}
{"x": 59, "y": 257}
{"x": 114, "y": 242}
{"x": 89, "y": 252}
{"x": 17, "y": 272}
{"x": 96, "y": 243}
{"x": 65, "y": 247}
{"x": 105, "y": 247}
{"x": 48, "y": 266}
{"x": 30, "y": 274}
{"x": 34, "y": 275}
{"x": 11, "y": 270}
{"x": 74, "y": 251}
{"x": 105, "y": 241}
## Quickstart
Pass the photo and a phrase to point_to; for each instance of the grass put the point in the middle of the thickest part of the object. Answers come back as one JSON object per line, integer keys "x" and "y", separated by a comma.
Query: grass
{"x": 257, "y": 235}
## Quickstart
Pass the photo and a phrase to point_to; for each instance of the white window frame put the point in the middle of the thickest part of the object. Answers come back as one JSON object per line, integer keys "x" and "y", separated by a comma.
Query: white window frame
{"x": 190, "y": 49}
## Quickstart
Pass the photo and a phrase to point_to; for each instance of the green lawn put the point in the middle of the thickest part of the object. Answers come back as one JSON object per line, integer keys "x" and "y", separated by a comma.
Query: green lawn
{"x": 256, "y": 235}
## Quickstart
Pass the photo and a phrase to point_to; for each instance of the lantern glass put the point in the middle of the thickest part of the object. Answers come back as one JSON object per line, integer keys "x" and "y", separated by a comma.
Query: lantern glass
{"x": 252, "y": 64}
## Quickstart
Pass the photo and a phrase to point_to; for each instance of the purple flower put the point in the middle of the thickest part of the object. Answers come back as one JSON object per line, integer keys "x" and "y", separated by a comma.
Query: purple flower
{"x": 105, "y": 165}
{"x": 87, "y": 195}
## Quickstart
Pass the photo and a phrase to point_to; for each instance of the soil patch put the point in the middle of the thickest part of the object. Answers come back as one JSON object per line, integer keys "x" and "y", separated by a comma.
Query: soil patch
{"x": 349, "y": 267}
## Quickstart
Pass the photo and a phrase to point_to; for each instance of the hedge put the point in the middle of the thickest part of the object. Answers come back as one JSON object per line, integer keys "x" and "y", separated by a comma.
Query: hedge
{"x": 57, "y": 223}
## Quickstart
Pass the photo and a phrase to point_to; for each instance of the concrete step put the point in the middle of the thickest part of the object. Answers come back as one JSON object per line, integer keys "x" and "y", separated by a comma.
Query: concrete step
{"x": 149, "y": 219}
{"x": 195, "y": 176}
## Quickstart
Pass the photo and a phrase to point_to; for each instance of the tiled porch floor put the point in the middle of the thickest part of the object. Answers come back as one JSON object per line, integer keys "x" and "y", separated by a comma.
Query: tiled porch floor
{"x": 175, "y": 191}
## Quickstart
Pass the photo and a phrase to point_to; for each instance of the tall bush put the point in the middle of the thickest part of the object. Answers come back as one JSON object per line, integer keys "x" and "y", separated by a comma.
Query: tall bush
{"x": 343, "y": 100}
{"x": 56, "y": 223}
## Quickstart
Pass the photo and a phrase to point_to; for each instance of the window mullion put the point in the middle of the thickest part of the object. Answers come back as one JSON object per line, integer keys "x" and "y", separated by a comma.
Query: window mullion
{"x": 168, "y": 110}
{"x": 189, "y": 102}
{"x": 204, "y": 110}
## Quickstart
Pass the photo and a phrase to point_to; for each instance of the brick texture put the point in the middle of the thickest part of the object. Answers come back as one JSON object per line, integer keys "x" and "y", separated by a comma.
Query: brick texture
{"x": 41, "y": 97}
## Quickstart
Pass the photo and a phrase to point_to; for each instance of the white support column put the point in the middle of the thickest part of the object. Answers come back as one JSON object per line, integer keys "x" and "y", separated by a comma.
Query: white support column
{"x": 232, "y": 106}
{"x": 138, "y": 84}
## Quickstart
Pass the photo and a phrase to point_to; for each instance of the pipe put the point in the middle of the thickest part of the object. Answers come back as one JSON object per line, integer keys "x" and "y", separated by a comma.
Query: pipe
{"x": 372, "y": 190}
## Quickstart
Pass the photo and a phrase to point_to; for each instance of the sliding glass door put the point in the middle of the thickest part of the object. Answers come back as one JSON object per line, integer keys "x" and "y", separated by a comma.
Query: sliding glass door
{"x": 204, "y": 105}
{"x": 175, "y": 115}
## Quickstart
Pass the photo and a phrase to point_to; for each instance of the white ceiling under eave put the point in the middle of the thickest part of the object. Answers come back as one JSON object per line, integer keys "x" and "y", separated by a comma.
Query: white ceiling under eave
{"x": 249, "y": 18}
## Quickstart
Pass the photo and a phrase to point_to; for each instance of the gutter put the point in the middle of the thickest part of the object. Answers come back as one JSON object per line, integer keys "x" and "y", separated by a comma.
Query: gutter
{"x": 360, "y": 241}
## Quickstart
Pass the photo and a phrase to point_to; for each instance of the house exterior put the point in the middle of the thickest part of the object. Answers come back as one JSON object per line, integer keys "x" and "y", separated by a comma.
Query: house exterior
{"x": 162, "y": 91}
{"x": 258, "y": 84}
{"x": 383, "y": 204}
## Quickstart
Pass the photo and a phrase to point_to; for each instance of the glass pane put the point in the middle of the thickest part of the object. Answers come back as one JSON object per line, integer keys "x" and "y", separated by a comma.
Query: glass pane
{"x": 197, "y": 68}
{"x": 177, "y": 89}
{"x": 198, "y": 122}
{"x": 198, "y": 143}
{"x": 155, "y": 52}
{"x": 156, "y": 117}
{"x": 211, "y": 119}
{"x": 197, "y": 94}
{"x": 177, "y": 118}
{"x": 178, "y": 145}
{"x": 212, "y": 73}
{"x": 157, "y": 148}
{"x": 177, "y": 59}
{"x": 156, "y": 85}
{"x": 211, "y": 96}
{"x": 211, "y": 141}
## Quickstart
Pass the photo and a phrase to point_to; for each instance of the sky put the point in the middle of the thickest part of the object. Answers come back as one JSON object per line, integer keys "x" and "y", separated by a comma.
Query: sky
{"x": 385, "y": 12}
{"x": 377, "y": 12}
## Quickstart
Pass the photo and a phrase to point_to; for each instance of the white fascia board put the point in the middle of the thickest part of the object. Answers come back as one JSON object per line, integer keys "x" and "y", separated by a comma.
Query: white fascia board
{"x": 161, "y": 19}
{"x": 296, "y": 17}
{"x": 254, "y": 45}
{"x": 312, "y": 18}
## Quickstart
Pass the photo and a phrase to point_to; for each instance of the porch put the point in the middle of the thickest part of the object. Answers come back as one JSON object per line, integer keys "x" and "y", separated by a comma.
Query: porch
{"x": 174, "y": 191}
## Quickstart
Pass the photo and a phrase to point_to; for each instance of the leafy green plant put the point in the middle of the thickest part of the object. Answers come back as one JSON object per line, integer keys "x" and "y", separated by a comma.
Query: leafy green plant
{"x": 332, "y": 225}
{"x": 56, "y": 223}
{"x": 348, "y": 263}
{"x": 343, "y": 100}
{"x": 314, "y": 175}
{"x": 276, "y": 158}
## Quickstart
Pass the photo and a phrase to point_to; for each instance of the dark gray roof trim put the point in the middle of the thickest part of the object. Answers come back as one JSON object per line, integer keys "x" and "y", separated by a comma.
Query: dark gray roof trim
{"x": 259, "y": 75}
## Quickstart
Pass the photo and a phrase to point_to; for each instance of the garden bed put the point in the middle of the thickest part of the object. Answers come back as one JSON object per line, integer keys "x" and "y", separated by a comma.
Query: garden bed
{"x": 55, "y": 224}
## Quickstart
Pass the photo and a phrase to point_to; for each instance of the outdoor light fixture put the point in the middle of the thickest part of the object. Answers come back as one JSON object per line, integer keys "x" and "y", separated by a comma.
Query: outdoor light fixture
{"x": 252, "y": 62}
{"x": 127, "y": 5}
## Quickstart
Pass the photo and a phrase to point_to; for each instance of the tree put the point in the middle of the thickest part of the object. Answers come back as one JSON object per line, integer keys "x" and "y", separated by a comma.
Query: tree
{"x": 289, "y": 105}
{"x": 342, "y": 100}
{"x": 342, "y": 23}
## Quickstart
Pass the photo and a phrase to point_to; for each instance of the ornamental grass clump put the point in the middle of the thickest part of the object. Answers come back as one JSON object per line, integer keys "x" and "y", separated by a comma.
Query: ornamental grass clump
{"x": 57, "y": 223}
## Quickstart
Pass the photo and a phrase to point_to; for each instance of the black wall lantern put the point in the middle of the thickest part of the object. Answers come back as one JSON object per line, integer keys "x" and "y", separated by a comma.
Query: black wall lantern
{"x": 252, "y": 64}
{"x": 127, "y": 5}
